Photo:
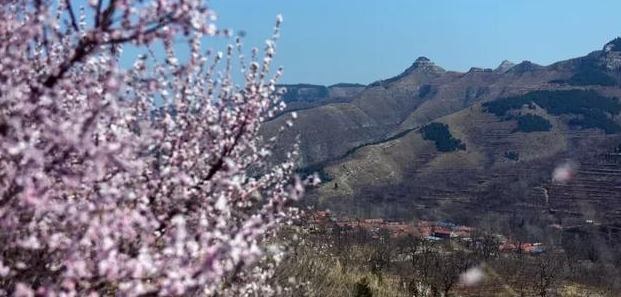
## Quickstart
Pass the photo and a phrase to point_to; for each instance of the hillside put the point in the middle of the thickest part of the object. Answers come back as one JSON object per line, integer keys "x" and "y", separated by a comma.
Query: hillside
{"x": 329, "y": 129}
{"x": 500, "y": 168}
{"x": 526, "y": 157}
{"x": 516, "y": 126}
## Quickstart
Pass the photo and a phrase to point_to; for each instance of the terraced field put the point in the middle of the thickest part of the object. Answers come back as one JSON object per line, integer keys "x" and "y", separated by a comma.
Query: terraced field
{"x": 407, "y": 177}
{"x": 594, "y": 193}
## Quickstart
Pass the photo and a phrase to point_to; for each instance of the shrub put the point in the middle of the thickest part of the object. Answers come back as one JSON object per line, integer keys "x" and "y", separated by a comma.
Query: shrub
{"x": 511, "y": 155}
{"x": 591, "y": 107}
{"x": 442, "y": 137}
{"x": 426, "y": 91}
{"x": 589, "y": 77}
{"x": 362, "y": 288}
{"x": 596, "y": 119}
{"x": 532, "y": 123}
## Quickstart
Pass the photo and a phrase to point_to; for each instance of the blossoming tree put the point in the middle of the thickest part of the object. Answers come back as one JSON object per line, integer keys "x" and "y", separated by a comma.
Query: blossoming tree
{"x": 145, "y": 181}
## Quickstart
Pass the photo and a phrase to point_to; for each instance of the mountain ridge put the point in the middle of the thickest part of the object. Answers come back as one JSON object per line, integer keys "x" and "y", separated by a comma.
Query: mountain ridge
{"x": 421, "y": 93}
{"x": 404, "y": 174}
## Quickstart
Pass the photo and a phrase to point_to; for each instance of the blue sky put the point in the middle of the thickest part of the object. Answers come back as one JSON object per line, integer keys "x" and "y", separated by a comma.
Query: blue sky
{"x": 332, "y": 41}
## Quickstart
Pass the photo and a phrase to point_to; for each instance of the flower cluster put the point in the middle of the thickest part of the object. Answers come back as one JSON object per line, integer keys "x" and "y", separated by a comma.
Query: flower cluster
{"x": 148, "y": 181}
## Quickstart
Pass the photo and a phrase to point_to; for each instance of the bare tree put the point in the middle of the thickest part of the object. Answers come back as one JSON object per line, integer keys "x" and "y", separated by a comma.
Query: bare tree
{"x": 547, "y": 270}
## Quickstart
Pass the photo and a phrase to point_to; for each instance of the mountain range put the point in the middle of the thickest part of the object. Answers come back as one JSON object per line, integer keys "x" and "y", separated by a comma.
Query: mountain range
{"x": 432, "y": 143}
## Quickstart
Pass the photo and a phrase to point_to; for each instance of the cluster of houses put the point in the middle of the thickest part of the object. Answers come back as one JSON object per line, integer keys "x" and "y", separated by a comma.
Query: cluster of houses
{"x": 529, "y": 248}
{"x": 430, "y": 230}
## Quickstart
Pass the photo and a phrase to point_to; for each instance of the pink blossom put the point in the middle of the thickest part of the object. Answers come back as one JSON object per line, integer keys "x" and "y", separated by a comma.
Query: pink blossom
{"x": 22, "y": 290}
{"x": 472, "y": 277}
{"x": 100, "y": 186}
{"x": 564, "y": 172}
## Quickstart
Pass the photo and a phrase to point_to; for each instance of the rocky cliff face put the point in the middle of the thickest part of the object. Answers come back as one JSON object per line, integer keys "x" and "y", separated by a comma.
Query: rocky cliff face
{"x": 304, "y": 96}
{"x": 320, "y": 94}
{"x": 611, "y": 55}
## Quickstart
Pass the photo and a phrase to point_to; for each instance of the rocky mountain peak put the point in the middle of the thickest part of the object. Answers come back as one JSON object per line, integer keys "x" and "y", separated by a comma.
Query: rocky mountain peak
{"x": 479, "y": 69}
{"x": 613, "y": 45}
{"x": 504, "y": 66}
{"x": 611, "y": 55}
{"x": 421, "y": 61}
{"x": 424, "y": 64}
{"x": 525, "y": 66}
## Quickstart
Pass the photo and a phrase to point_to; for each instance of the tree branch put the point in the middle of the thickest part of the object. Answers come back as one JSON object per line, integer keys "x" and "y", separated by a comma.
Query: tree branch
{"x": 74, "y": 22}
